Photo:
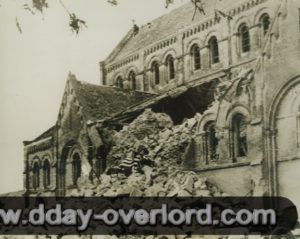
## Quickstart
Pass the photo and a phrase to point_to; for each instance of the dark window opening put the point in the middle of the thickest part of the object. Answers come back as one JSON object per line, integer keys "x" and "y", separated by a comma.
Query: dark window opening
{"x": 47, "y": 175}
{"x": 132, "y": 80}
{"x": 265, "y": 23}
{"x": 245, "y": 38}
{"x": 195, "y": 52}
{"x": 171, "y": 67}
{"x": 239, "y": 136}
{"x": 100, "y": 166}
{"x": 36, "y": 176}
{"x": 214, "y": 50}
{"x": 119, "y": 82}
{"x": 210, "y": 142}
{"x": 76, "y": 168}
{"x": 155, "y": 72}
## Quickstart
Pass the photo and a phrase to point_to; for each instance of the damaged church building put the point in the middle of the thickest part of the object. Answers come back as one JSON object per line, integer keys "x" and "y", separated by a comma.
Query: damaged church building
{"x": 228, "y": 82}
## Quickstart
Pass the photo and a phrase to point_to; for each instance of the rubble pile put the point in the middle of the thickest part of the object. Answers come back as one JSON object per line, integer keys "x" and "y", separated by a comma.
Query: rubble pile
{"x": 151, "y": 139}
{"x": 162, "y": 182}
{"x": 146, "y": 160}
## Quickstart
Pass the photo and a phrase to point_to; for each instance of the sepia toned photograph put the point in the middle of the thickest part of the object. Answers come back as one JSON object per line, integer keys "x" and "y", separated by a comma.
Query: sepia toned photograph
{"x": 151, "y": 98}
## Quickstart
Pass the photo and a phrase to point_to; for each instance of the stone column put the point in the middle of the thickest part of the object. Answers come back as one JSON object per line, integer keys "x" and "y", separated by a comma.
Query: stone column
{"x": 126, "y": 84}
{"x": 30, "y": 179}
{"x": 205, "y": 57}
{"x": 180, "y": 70}
{"x": 41, "y": 179}
{"x": 187, "y": 72}
{"x": 163, "y": 75}
{"x": 53, "y": 182}
{"x": 235, "y": 48}
{"x": 86, "y": 169}
{"x": 69, "y": 174}
{"x": 224, "y": 145}
{"x": 95, "y": 170}
{"x": 200, "y": 154}
{"x": 254, "y": 37}
{"x": 140, "y": 82}
{"x": 147, "y": 80}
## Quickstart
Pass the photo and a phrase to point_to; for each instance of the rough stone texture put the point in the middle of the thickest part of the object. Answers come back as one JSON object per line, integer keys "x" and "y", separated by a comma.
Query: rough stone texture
{"x": 262, "y": 85}
{"x": 152, "y": 138}
{"x": 82, "y": 104}
{"x": 147, "y": 159}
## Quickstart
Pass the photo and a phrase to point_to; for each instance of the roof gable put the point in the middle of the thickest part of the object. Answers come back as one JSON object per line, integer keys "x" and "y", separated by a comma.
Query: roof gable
{"x": 96, "y": 102}
{"x": 167, "y": 25}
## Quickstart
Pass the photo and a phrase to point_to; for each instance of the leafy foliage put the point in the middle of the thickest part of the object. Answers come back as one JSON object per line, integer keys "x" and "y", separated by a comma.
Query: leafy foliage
{"x": 76, "y": 24}
{"x": 40, "y": 5}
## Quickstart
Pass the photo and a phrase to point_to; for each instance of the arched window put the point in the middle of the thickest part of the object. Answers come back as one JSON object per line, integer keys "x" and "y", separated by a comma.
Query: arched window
{"x": 170, "y": 67}
{"x": 155, "y": 72}
{"x": 76, "y": 168}
{"x": 210, "y": 142}
{"x": 46, "y": 174}
{"x": 244, "y": 38}
{"x": 265, "y": 22}
{"x": 239, "y": 136}
{"x": 132, "y": 80}
{"x": 214, "y": 50}
{"x": 36, "y": 176}
{"x": 196, "y": 59}
{"x": 100, "y": 163}
{"x": 119, "y": 82}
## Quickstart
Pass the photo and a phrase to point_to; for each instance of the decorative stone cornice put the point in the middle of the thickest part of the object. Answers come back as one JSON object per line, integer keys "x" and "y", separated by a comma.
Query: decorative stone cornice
{"x": 122, "y": 63}
{"x": 210, "y": 22}
{"x": 40, "y": 145}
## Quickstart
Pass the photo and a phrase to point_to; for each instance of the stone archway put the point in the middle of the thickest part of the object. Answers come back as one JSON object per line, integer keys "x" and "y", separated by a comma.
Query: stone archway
{"x": 62, "y": 168}
{"x": 283, "y": 142}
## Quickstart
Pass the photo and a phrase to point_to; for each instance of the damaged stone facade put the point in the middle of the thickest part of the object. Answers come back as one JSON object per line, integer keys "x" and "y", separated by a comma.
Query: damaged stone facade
{"x": 223, "y": 94}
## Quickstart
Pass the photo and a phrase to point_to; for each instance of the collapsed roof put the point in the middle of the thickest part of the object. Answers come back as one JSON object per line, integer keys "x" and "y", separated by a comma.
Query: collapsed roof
{"x": 99, "y": 102}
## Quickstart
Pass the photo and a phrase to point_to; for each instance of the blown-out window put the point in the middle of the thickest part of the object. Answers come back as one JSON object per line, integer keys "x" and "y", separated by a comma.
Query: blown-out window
{"x": 210, "y": 142}
{"x": 46, "y": 172}
{"x": 155, "y": 72}
{"x": 244, "y": 38}
{"x": 265, "y": 22}
{"x": 76, "y": 168}
{"x": 239, "y": 136}
{"x": 36, "y": 176}
{"x": 119, "y": 82}
{"x": 214, "y": 50}
{"x": 170, "y": 67}
{"x": 100, "y": 164}
{"x": 132, "y": 80}
{"x": 196, "y": 59}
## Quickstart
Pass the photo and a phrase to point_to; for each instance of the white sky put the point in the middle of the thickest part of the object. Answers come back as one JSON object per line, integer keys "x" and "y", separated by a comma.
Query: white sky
{"x": 34, "y": 65}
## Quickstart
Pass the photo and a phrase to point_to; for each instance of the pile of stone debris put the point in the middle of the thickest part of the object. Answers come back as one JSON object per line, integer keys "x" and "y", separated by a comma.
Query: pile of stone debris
{"x": 146, "y": 160}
